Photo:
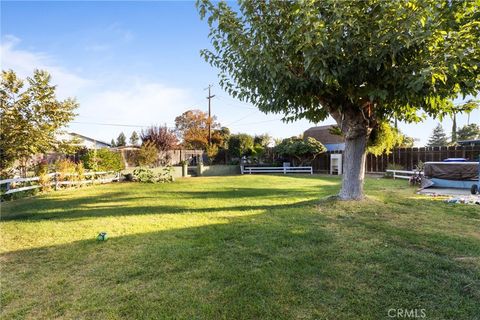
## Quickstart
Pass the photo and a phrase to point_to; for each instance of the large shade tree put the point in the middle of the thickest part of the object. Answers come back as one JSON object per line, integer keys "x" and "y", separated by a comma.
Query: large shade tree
{"x": 360, "y": 62}
{"x": 30, "y": 116}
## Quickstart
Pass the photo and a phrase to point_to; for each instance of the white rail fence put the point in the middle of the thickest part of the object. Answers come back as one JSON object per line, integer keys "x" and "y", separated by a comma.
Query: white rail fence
{"x": 284, "y": 170}
{"x": 15, "y": 184}
{"x": 403, "y": 174}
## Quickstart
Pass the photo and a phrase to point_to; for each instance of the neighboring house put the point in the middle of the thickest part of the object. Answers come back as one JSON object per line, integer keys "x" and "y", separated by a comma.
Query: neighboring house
{"x": 323, "y": 134}
{"x": 469, "y": 142}
{"x": 84, "y": 141}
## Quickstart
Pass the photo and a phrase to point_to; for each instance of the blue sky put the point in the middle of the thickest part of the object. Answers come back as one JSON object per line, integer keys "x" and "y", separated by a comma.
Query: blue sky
{"x": 135, "y": 64}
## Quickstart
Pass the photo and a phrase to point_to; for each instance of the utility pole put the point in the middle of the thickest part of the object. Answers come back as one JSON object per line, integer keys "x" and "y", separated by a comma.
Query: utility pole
{"x": 210, "y": 96}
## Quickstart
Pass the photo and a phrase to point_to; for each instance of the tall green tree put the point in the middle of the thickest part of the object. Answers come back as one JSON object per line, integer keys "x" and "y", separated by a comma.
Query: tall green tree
{"x": 121, "y": 140}
{"x": 438, "y": 137}
{"x": 455, "y": 109}
{"x": 240, "y": 145}
{"x": 30, "y": 116}
{"x": 469, "y": 132}
{"x": 301, "y": 150}
{"x": 361, "y": 62}
{"x": 134, "y": 138}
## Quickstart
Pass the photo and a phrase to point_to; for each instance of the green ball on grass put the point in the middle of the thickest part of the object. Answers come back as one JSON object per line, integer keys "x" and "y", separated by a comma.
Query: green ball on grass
{"x": 102, "y": 236}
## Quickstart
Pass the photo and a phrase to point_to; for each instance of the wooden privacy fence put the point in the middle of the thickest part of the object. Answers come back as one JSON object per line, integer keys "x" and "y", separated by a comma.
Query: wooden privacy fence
{"x": 406, "y": 158}
{"x": 23, "y": 184}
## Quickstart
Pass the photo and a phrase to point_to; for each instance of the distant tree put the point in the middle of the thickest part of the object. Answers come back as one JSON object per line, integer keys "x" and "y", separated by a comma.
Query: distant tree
{"x": 262, "y": 140}
{"x": 220, "y": 137}
{"x": 438, "y": 137}
{"x": 30, "y": 117}
{"x": 148, "y": 154}
{"x": 113, "y": 143}
{"x": 360, "y": 62}
{"x": 240, "y": 145}
{"x": 453, "y": 110}
{"x": 192, "y": 127}
{"x": 163, "y": 138}
{"x": 469, "y": 132}
{"x": 301, "y": 150}
{"x": 134, "y": 138}
{"x": 121, "y": 140}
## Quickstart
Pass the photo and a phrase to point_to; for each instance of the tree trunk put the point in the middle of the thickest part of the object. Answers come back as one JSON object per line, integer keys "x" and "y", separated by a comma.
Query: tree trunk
{"x": 356, "y": 124}
{"x": 454, "y": 127}
{"x": 354, "y": 168}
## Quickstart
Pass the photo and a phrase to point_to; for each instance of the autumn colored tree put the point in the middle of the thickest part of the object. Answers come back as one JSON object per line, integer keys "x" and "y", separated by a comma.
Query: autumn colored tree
{"x": 192, "y": 127}
{"x": 361, "y": 62}
{"x": 163, "y": 138}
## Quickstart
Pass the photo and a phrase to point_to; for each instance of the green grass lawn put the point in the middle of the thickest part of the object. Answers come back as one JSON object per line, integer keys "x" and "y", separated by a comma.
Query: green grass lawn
{"x": 242, "y": 247}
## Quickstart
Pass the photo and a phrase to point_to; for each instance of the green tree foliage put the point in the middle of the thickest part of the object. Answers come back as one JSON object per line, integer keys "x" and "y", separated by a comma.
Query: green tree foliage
{"x": 103, "y": 160}
{"x": 469, "y": 132}
{"x": 148, "y": 154}
{"x": 361, "y": 62}
{"x": 385, "y": 137}
{"x": 30, "y": 116}
{"x": 134, "y": 138}
{"x": 303, "y": 151}
{"x": 69, "y": 147}
{"x": 163, "y": 138}
{"x": 240, "y": 145}
{"x": 453, "y": 110}
{"x": 438, "y": 137}
{"x": 112, "y": 143}
{"x": 121, "y": 140}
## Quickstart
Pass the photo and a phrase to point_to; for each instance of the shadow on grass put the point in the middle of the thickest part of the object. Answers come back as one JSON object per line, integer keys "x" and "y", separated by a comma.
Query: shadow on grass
{"x": 112, "y": 203}
{"x": 281, "y": 264}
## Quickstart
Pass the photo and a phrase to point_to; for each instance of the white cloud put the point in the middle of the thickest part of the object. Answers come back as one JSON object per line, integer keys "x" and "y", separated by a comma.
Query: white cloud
{"x": 104, "y": 99}
{"x": 23, "y": 62}
{"x": 140, "y": 102}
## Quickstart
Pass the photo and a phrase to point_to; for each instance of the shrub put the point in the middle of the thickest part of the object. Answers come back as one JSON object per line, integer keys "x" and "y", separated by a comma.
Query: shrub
{"x": 147, "y": 175}
{"x": 148, "y": 154}
{"x": 103, "y": 160}
{"x": 144, "y": 175}
{"x": 65, "y": 168}
{"x": 41, "y": 170}
{"x": 80, "y": 171}
{"x": 212, "y": 151}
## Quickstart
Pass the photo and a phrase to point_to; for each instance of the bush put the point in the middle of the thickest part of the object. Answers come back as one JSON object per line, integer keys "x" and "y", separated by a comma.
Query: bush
{"x": 148, "y": 154}
{"x": 41, "y": 170}
{"x": 147, "y": 175}
{"x": 66, "y": 169}
{"x": 103, "y": 160}
{"x": 144, "y": 175}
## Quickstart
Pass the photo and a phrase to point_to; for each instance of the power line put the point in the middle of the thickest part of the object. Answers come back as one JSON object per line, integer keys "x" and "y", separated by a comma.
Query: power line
{"x": 247, "y": 124}
{"x": 115, "y": 124}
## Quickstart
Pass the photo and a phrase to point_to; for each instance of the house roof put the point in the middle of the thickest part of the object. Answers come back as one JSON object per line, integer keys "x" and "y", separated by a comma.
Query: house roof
{"x": 89, "y": 139}
{"x": 322, "y": 134}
